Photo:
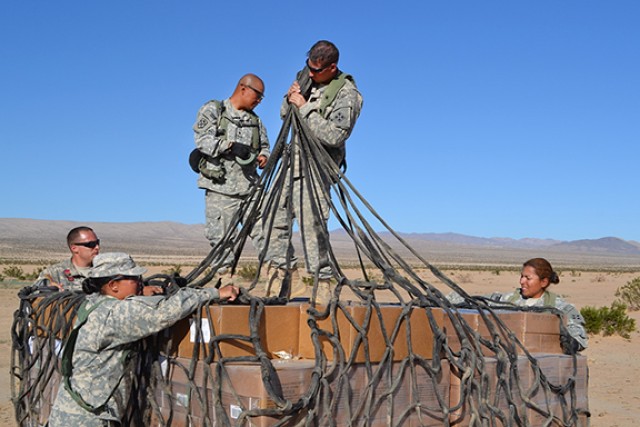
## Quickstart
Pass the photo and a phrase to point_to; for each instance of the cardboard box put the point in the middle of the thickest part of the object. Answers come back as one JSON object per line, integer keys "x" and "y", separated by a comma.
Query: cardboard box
{"x": 538, "y": 332}
{"x": 277, "y": 329}
{"x": 431, "y": 391}
{"x": 558, "y": 369}
{"x": 53, "y": 316}
{"x": 422, "y": 336}
{"x": 383, "y": 392}
{"x": 555, "y": 367}
{"x": 46, "y": 399}
{"x": 357, "y": 396}
{"x": 462, "y": 321}
{"x": 188, "y": 388}
{"x": 174, "y": 419}
{"x": 42, "y": 379}
{"x": 359, "y": 332}
{"x": 242, "y": 389}
{"x": 191, "y": 397}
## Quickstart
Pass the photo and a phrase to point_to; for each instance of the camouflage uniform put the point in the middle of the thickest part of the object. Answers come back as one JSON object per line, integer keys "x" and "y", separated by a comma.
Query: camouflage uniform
{"x": 102, "y": 345}
{"x": 575, "y": 321}
{"x": 331, "y": 127}
{"x": 64, "y": 273}
{"x": 223, "y": 197}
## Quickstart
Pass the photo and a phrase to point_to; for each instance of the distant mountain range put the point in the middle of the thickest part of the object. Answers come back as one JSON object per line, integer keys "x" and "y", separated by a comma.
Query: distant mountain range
{"x": 44, "y": 239}
{"x": 605, "y": 244}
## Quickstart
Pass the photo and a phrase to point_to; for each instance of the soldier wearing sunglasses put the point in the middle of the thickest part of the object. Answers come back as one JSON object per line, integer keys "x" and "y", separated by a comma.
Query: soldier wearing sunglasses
{"x": 69, "y": 274}
{"x": 329, "y": 103}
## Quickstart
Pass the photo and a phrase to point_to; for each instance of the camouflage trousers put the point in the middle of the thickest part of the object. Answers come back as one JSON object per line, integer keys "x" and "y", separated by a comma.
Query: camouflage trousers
{"x": 221, "y": 213}
{"x": 311, "y": 207}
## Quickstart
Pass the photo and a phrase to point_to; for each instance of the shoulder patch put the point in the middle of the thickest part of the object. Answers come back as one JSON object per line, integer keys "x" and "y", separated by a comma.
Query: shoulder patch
{"x": 203, "y": 123}
{"x": 342, "y": 117}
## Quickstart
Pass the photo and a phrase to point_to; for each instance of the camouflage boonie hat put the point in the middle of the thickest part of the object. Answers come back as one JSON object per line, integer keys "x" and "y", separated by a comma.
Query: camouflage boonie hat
{"x": 112, "y": 264}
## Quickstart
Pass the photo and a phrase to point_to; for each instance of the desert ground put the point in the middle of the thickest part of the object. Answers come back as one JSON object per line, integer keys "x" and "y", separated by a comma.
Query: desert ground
{"x": 614, "y": 392}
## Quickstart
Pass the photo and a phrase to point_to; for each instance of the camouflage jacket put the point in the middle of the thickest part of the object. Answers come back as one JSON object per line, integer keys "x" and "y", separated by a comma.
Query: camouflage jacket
{"x": 573, "y": 318}
{"x": 102, "y": 346}
{"x": 332, "y": 124}
{"x": 64, "y": 273}
{"x": 237, "y": 179}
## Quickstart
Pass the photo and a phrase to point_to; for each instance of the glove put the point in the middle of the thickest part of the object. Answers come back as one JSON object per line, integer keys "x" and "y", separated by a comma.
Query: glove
{"x": 241, "y": 151}
{"x": 178, "y": 280}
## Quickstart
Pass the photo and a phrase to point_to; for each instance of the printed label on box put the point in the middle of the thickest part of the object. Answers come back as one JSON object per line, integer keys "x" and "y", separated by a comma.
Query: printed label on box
{"x": 234, "y": 411}
{"x": 204, "y": 328}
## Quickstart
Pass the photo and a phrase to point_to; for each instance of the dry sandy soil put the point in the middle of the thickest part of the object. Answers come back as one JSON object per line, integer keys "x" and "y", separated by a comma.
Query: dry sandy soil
{"x": 614, "y": 392}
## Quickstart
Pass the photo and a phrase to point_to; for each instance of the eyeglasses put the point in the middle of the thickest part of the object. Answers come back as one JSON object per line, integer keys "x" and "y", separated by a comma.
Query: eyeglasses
{"x": 90, "y": 244}
{"x": 260, "y": 94}
{"x": 317, "y": 70}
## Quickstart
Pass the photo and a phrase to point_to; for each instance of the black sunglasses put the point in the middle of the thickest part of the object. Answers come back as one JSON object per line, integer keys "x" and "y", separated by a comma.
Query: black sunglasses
{"x": 91, "y": 244}
{"x": 317, "y": 70}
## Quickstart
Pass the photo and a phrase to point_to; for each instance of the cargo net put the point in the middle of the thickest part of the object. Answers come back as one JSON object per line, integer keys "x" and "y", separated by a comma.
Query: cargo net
{"x": 388, "y": 348}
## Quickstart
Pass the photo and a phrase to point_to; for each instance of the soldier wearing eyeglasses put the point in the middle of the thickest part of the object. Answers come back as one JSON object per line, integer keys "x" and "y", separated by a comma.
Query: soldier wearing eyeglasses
{"x": 69, "y": 274}
{"x": 231, "y": 143}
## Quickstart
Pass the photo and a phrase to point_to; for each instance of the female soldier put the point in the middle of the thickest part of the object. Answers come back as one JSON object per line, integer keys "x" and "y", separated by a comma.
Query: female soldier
{"x": 94, "y": 391}
{"x": 535, "y": 277}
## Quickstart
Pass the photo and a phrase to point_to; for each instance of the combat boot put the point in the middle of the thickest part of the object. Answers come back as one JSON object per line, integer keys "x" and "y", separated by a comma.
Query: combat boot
{"x": 323, "y": 296}
{"x": 296, "y": 287}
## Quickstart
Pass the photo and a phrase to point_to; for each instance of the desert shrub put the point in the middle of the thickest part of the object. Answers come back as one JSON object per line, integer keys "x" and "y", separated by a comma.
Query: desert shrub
{"x": 1, "y": 278}
{"x": 464, "y": 278}
{"x": 15, "y": 272}
{"x": 496, "y": 272}
{"x": 629, "y": 294}
{"x": 247, "y": 272}
{"x": 375, "y": 277}
{"x": 608, "y": 320}
{"x": 175, "y": 269}
{"x": 34, "y": 274}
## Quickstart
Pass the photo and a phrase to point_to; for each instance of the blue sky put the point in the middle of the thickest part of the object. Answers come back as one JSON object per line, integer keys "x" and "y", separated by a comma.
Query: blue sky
{"x": 488, "y": 118}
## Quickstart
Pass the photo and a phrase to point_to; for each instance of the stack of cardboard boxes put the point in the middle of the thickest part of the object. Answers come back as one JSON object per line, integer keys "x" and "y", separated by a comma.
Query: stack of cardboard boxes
{"x": 366, "y": 373}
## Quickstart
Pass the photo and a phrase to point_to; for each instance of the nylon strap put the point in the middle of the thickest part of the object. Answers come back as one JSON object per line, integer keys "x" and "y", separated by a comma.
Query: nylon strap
{"x": 330, "y": 93}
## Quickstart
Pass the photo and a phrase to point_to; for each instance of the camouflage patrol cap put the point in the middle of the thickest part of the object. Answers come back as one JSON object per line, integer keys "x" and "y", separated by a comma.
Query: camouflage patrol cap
{"x": 112, "y": 264}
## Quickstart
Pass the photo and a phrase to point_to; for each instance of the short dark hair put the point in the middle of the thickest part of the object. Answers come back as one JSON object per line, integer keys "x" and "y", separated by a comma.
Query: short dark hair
{"x": 75, "y": 232}
{"x": 324, "y": 52}
{"x": 93, "y": 285}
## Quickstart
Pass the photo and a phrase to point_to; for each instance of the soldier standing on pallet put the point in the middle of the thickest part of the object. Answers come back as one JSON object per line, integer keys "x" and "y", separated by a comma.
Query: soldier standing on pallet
{"x": 231, "y": 141}
{"x": 329, "y": 108}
